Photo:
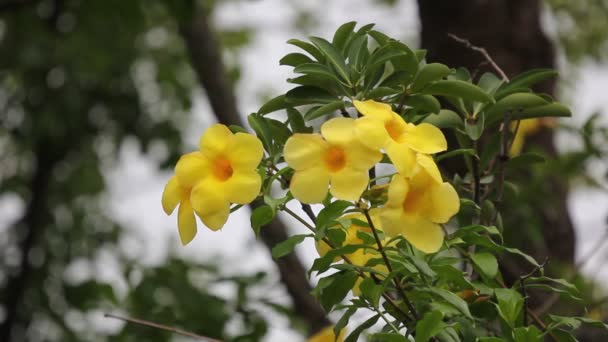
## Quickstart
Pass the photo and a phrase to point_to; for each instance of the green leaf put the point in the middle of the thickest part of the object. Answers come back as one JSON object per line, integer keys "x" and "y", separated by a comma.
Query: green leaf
{"x": 527, "y": 334}
{"x": 512, "y": 103}
{"x": 490, "y": 83}
{"x": 563, "y": 336}
{"x": 308, "y": 95}
{"x": 273, "y": 105}
{"x": 457, "y": 88}
{"x": 474, "y": 127}
{"x": 316, "y": 69}
{"x": 334, "y": 56}
{"x": 285, "y": 247}
{"x": 328, "y": 215}
{"x": 453, "y": 153}
{"x": 354, "y": 336}
{"x": 311, "y": 49}
{"x": 380, "y": 92}
{"x": 371, "y": 291}
{"x": 445, "y": 119}
{"x": 388, "y": 337}
{"x": 429, "y": 326}
{"x": 430, "y": 73}
{"x": 379, "y": 37}
{"x": 555, "y": 109}
{"x": 294, "y": 59}
{"x": 333, "y": 293}
{"x": 261, "y": 127}
{"x": 324, "y": 110}
{"x": 358, "y": 53}
{"x": 486, "y": 264}
{"x": 450, "y": 298}
{"x": 342, "y": 34}
{"x": 510, "y": 306}
{"x": 261, "y": 216}
{"x": 343, "y": 321}
{"x": 526, "y": 79}
{"x": 423, "y": 103}
{"x": 296, "y": 122}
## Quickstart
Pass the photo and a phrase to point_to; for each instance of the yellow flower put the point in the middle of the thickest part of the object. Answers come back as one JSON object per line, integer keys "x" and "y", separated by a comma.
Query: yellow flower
{"x": 526, "y": 127}
{"x": 336, "y": 156}
{"x": 327, "y": 335}
{"x": 207, "y": 181}
{"x": 380, "y": 127}
{"x": 415, "y": 207}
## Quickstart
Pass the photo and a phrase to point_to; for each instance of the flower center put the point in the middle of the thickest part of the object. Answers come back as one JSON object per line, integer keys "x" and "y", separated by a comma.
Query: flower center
{"x": 414, "y": 201}
{"x": 222, "y": 170}
{"x": 395, "y": 130}
{"x": 335, "y": 159}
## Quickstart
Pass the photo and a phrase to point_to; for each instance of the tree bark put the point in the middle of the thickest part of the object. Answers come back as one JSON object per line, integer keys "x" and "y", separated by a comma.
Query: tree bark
{"x": 510, "y": 30}
{"x": 206, "y": 59}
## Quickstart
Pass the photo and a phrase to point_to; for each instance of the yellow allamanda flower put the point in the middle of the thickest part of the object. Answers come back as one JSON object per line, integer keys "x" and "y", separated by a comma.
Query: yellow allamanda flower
{"x": 416, "y": 206}
{"x": 327, "y": 335}
{"x": 335, "y": 157}
{"x": 380, "y": 127}
{"x": 223, "y": 171}
{"x": 526, "y": 127}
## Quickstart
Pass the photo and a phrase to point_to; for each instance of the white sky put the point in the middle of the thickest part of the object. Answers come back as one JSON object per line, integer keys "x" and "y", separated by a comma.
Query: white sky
{"x": 135, "y": 185}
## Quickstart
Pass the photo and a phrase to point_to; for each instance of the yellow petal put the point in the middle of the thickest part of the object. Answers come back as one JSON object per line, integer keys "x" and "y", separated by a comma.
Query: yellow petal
{"x": 371, "y": 132}
{"x": 246, "y": 152}
{"x": 191, "y": 168}
{"x": 215, "y": 140}
{"x": 327, "y": 335}
{"x": 444, "y": 203}
{"x": 373, "y": 109}
{"x": 186, "y": 223}
{"x": 392, "y": 220}
{"x": 425, "y": 138}
{"x": 310, "y": 185}
{"x": 397, "y": 191}
{"x": 339, "y": 131}
{"x": 361, "y": 157}
{"x": 429, "y": 165}
{"x": 208, "y": 197}
{"x": 303, "y": 151}
{"x": 216, "y": 220}
{"x": 171, "y": 195}
{"x": 403, "y": 158}
{"x": 243, "y": 187}
{"x": 422, "y": 233}
{"x": 348, "y": 184}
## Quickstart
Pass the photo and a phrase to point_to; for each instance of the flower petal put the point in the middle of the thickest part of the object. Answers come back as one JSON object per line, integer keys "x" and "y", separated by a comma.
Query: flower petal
{"x": 191, "y": 168}
{"x": 425, "y": 138}
{"x": 397, "y": 191}
{"x": 422, "y": 233}
{"x": 310, "y": 185}
{"x": 392, "y": 220}
{"x": 215, "y": 140}
{"x": 246, "y": 152}
{"x": 371, "y": 132}
{"x": 373, "y": 109}
{"x": 348, "y": 184}
{"x": 303, "y": 151}
{"x": 339, "y": 131}
{"x": 216, "y": 220}
{"x": 186, "y": 223}
{"x": 208, "y": 197}
{"x": 361, "y": 157}
{"x": 429, "y": 165}
{"x": 243, "y": 187}
{"x": 444, "y": 203}
{"x": 403, "y": 158}
{"x": 172, "y": 195}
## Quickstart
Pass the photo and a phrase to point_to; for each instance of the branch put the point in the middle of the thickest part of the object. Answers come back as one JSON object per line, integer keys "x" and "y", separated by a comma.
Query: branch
{"x": 483, "y": 52}
{"x": 162, "y": 327}
{"x": 206, "y": 59}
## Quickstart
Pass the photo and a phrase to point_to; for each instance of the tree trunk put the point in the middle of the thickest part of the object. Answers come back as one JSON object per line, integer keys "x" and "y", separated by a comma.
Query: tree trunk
{"x": 511, "y": 32}
{"x": 205, "y": 55}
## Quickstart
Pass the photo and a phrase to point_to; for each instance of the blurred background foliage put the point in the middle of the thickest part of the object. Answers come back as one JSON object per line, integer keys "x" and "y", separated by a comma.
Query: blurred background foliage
{"x": 78, "y": 79}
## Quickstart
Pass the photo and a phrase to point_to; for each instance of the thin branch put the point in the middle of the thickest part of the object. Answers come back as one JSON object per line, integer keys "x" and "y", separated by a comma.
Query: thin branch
{"x": 389, "y": 266}
{"x": 162, "y": 327}
{"x": 483, "y": 52}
